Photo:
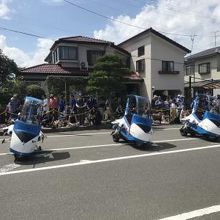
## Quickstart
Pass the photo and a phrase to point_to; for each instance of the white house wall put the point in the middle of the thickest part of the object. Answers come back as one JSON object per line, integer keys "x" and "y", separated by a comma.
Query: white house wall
{"x": 157, "y": 48}
{"x": 213, "y": 69}
{"x": 163, "y": 50}
{"x": 132, "y": 47}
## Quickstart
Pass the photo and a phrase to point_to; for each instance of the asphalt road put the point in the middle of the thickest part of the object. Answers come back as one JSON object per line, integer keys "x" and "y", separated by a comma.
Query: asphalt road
{"x": 85, "y": 175}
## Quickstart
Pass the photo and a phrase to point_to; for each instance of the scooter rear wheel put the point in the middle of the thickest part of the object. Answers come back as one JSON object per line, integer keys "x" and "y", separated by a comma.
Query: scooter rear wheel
{"x": 212, "y": 138}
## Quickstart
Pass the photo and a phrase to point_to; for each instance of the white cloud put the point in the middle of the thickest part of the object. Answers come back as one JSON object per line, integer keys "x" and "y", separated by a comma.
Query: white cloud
{"x": 24, "y": 59}
{"x": 200, "y": 17}
{"x": 4, "y": 9}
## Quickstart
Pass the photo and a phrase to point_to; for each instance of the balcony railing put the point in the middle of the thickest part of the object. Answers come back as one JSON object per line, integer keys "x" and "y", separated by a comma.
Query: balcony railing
{"x": 168, "y": 72}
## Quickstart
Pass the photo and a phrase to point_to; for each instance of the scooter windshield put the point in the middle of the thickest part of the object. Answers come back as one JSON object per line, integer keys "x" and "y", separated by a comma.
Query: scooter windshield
{"x": 143, "y": 107}
{"x": 31, "y": 110}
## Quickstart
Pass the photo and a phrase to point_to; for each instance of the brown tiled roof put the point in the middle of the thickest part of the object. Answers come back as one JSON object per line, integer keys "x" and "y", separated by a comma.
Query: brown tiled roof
{"x": 81, "y": 40}
{"x": 84, "y": 39}
{"x": 134, "y": 76}
{"x": 54, "y": 69}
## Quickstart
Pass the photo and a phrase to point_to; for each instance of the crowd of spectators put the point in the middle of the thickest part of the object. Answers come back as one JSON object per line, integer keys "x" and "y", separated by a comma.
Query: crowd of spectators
{"x": 56, "y": 111}
{"x": 173, "y": 110}
{"x": 168, "y": 109}
{"x": 81, "y": 110}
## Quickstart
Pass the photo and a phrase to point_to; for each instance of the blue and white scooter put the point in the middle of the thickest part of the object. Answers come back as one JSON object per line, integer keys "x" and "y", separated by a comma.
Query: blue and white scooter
{"x": 26, "y": 132}
{"x": 136, "y": 124}
{"x": 201, "y": 122}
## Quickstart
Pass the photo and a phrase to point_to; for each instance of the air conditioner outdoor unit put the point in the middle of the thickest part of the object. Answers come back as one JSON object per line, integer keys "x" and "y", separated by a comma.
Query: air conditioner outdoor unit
{"x": 83, "y": 65}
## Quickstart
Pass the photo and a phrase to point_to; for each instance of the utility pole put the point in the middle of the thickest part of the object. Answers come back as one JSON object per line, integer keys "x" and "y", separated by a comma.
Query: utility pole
{"x": 215, "y": 36}
{"x": 192, "y": 37}
{"x": 190, "y": 88}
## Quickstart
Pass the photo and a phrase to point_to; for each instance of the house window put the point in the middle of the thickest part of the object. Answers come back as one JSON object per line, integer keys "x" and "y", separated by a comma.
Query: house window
{"x": 167, "y": 66}
{"x": 140, "y": 66}
{"x": 68, "y": 53}
{"x": 190, "y": 70}
{"x": 93, "y": 55}
{"x": 55, "y": 56}
{"x": 141, "y": 51}
{"x": 204, "y": 68}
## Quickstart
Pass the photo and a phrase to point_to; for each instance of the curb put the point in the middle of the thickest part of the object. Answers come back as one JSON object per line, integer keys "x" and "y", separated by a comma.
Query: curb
{"x": 80, "y": 128}
{"x": 106, "y": 125}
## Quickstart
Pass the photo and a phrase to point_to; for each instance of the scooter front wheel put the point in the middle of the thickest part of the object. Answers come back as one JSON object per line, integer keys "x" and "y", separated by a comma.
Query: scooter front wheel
{"x": 115, "y": 138}
{"x": 183, "y": 132}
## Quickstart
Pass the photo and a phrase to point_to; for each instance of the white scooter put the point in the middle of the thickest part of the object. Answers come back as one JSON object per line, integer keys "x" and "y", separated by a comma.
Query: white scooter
{"x": 201, "y": 122}
{"x": 136, "y": 124}
{"x": 26, "y": 131}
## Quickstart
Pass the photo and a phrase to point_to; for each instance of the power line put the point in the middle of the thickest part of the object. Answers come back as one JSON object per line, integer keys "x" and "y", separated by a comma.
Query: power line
{"x": 157, "y": 59}
{"x": 119, "y": 21}
{"x": 21, "y": 32}
{"x": 101, "y": 15}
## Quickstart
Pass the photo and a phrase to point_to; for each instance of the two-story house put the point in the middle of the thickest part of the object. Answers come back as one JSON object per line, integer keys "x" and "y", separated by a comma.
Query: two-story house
{"x": 159, "y": 61}
{"x": 73, "y": 57}
{"x": 202, "y": 71}
{"x": 156, "y": 62}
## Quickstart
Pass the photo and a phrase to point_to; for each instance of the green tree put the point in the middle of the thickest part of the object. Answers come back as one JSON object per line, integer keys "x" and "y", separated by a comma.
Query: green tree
{"x": 107, "y": 78}
{"x": 8, "y": 72}
{"x": 35, "y": 91}
{"x": 8, "y": 69}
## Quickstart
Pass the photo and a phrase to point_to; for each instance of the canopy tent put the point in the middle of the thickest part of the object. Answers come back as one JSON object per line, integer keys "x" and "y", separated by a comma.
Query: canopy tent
{"x": 205, "y": 84}
{"x": 215, "y": 84}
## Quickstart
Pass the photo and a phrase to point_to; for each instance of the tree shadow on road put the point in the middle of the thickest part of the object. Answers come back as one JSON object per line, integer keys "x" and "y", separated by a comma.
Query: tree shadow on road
{"x": 43, "y": 157}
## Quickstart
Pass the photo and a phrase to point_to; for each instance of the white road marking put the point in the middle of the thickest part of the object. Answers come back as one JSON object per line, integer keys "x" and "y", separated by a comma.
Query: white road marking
{"x": 109, "y": 160}
{"x": 82, "y": 134}
{"x": 4, "y": 154}
{"x": 108, "y": 145}
{"x": 86, "y": 147}
{"x": 97, "y": 133}
{"x": 9, "y": 167}
{"x": 72, "y": 135}
{"x": 195, "y": 213}
{"x": 167, "y": 129}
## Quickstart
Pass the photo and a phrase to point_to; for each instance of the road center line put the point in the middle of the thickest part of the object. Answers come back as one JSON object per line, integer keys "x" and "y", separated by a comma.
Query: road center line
{"x": 109, "y": 160}
{"x": 195, "y": 213}
{"x": 81, "y": 134}
{"x": 108, "y": 145}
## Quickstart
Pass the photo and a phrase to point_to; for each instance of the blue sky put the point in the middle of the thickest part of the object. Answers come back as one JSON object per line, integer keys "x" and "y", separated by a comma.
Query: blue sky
{"x": 52, "y": 19}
